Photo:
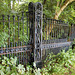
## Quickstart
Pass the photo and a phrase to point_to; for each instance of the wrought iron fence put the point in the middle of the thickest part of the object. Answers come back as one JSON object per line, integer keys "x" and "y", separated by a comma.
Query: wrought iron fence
{"x": 31, "y": 36}
{"x": 15, "y": 38}
{"x": 55, "y": 35}
{"x": 14, "y": 29}
{"x": 55, "y": 29}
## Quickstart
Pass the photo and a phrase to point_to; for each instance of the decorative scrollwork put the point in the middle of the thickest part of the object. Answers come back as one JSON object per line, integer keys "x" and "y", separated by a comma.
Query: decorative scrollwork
{"x": 38, "y": 31}
{"x": 35, "y": 19}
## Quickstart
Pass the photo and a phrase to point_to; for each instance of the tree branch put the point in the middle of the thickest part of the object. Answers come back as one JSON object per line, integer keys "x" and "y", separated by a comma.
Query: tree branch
{"x": 56, "y": 8}
{"x": 62, "y": 8}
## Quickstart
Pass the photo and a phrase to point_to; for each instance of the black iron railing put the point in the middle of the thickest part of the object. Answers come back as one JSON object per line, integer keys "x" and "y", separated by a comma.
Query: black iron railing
{"x": 31, "y": 36}
{"x": 15, "y": 37}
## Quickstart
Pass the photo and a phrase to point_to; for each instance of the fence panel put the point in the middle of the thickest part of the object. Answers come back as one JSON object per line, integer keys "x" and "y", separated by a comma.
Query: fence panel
{"x": 15, "y": 38}
{"x": 55, "y": 34}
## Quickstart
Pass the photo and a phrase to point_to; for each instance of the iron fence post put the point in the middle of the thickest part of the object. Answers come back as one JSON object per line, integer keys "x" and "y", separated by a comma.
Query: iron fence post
{"x": 35, "y": 18}
{"x": 38, "y": 34}
{"x": 31, "y": 28}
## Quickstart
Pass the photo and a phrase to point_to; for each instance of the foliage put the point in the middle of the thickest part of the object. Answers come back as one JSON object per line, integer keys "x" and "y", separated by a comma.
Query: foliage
{"x": 73, "y": 46}
{"x": 53, "y": 6}
{"x": 3, "y": 36}
{"x": 68, "y": 15}
{"x": 16, "y": 9}
{"x": 60, "y": 64}
{"x": 4, "y": 9}
{"x": 50, "y": 8}
{"x": 74, "y": 41}
{"x": 9, "y": 67}
{"x": 10, "y": 30}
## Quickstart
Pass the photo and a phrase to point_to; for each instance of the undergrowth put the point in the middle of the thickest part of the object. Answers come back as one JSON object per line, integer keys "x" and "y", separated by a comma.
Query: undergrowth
{"x": 61, "y": 64}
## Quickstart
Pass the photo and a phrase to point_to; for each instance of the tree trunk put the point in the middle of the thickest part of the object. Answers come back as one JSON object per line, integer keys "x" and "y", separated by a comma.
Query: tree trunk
{"x": 57, "y": 14}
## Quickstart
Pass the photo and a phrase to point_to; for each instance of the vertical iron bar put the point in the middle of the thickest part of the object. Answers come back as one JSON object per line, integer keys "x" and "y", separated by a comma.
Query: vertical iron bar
{"x": 60, "y": 29}
{"x": 9, "y": 28}
{"x": 46, "y": 31}
{"x": 27, "y": 55}
{"x": 51, "y": 30}
{"x": 29, "y": 30}
{"x": 25, "y": 59}
{"x": 18, "y": 30}
{"x": 9, "y": 34}
{"x": 52, "y": 22}
{"x": 19, "y": 56}
{"x": 23, "y": 56}
{"x": 41, "y": 31}
{"x": 44, "y": 26}
{"x": 55, "y": 28}
{"x": 27, "y": 23}
{"x": 11, "y": 50}
{"x": 23, "y": 25}
{"x": 18, "y": 37}
{"x": 16, "y": 53}
{"x": 14, "y": 30}
{"x": 3, "y": 17}
{"x": 6, "y": 51}
{"x": 45, "y": 53}
{"x": 21, "y": 53}
{"x": 1, "y": 52}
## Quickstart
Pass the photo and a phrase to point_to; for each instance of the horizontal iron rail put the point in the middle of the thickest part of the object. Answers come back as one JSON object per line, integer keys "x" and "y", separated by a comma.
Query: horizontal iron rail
{"x": 53, "y": 41}
{"x": 28, "y": 46}
{"x": 19, "y": 51}
{"x": 55, "y": 45}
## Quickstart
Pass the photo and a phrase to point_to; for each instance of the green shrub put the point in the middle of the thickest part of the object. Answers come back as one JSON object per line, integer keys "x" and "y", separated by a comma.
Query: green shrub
{"x": 60, "y": 63}
{"x": 9, "y": 67}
